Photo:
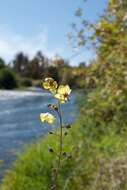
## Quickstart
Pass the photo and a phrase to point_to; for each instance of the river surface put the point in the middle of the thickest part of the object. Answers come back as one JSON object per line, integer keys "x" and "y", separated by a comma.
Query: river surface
{"x": 20, "y": 123}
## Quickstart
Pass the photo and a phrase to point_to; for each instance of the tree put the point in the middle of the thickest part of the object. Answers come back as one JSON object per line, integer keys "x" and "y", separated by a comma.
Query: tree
{"x": 20, "y": 64}
{"x": 107, "y": 35}
{"x": 7, "y": 79}
{"x": 82, "y": 64}
{"x": 58, "y": 61}
{"x": 38, "y": 66}
{"x": 2, "y": 63}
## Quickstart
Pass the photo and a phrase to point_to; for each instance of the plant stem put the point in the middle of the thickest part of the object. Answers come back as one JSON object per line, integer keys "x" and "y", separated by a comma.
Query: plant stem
{"x": 55, "y": 186}
{"x": 61, "y": 135}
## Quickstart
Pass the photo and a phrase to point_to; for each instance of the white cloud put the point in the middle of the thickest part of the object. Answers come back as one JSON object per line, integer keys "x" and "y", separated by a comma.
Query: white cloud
{"x": 11, "y": 43}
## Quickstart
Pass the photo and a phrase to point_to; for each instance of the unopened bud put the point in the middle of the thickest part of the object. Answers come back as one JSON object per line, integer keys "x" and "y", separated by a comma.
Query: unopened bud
{"x": 65, "y": 134}
{"x": 49, "y": 105}
{"x": 69, "y": 156}
{"x": 51, "y": 133}
{"x": 54, "y": 170}
{"x": 64, "y": 154}
{"x": 53, "y": 106}
{"x": 51, "y": 150}
{"x": 68, "y": 126}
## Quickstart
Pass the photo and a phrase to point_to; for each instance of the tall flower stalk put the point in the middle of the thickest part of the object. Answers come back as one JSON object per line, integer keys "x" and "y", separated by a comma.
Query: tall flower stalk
{"x": 61, "y": 93}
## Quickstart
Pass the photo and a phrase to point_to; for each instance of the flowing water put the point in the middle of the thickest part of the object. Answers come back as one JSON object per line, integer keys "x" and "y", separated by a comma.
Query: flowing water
{"x": 19, "y": 120}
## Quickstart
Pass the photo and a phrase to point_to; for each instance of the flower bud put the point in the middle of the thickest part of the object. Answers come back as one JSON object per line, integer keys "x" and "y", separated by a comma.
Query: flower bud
{"x": 68, "y": 126}
{"x": 65, "y": 134}
{"x": 64, "y": 154}
{"x": 51, "y": 150}
{"x": 53, "y": 106}
{"x": 69, "y": 156}
{"x": 51, "y": 133}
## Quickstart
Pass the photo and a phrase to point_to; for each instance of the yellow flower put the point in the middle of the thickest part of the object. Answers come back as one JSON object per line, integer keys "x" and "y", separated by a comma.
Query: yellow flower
{"x": 50, "y": 84}
{"x": 47, "y": 117}
{"x": 63, "y": 93}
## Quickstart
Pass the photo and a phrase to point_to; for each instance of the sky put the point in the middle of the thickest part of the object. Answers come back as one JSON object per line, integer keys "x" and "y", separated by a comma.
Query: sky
{"x": 32, "y": 25}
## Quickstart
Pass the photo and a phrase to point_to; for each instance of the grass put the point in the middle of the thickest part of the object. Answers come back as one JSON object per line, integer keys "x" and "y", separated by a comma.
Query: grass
{"x": 98, "y": 161}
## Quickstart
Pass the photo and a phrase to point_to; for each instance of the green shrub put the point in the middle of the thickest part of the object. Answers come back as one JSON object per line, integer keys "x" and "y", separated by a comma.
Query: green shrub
{"x": 26, "y": 82}
{"x": 7, "y": 79}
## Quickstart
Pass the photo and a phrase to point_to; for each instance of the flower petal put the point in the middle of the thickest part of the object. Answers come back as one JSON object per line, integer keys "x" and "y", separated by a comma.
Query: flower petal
{"x": 47, "y": 117}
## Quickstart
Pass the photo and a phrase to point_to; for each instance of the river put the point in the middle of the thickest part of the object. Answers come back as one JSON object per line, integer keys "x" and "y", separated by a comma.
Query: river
{"x": 20, "y": 123}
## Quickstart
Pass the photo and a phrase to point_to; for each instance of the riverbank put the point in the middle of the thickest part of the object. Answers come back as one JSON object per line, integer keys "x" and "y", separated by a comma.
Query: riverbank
{"x": 96, "y": 141}
{"x": 98, "y": 160}
{"x": 19, "y": 120}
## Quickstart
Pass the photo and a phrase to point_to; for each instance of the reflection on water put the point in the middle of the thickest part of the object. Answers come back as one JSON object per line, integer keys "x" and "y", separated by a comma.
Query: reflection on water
{"x": 19, "y": 120}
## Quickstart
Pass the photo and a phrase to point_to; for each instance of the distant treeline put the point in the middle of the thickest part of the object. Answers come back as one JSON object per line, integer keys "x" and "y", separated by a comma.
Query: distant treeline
{"x": 23, "y": 71}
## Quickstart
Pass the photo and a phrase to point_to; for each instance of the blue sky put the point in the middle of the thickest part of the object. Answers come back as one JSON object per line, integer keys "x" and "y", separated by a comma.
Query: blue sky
{"x": 31, "y": 25}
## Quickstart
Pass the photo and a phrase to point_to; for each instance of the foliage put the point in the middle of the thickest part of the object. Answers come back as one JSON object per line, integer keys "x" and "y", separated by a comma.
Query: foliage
{"x": 2, "y": 63}
{"x": 7, "y": 79}
{"x": 25, "y": 82}
{"x": 98, "y": 160}
{"x": 40, "y": 67}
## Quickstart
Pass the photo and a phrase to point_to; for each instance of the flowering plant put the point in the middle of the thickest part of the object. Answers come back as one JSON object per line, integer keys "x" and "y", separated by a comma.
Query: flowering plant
{"x": 61, "y": 93}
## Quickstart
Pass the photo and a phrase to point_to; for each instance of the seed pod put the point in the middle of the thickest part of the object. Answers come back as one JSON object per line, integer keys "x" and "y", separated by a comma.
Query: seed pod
{"x": 65, "y": 134}
{"x": 51, "y": 133}
{"x": 54, "y": 170}
{"x": 53, "y": 106}
{"x": 69, "y": 156}
{"x": 51, "y": 150}
{"x": 49, "y": 105}
{"x": 68, "y": 126}
{"x": 64, "y": 154}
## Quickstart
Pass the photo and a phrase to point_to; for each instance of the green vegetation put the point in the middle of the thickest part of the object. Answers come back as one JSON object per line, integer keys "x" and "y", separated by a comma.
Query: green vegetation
{"x": 98, "y": 160}
{"x": 30, "y": 71}
{"x": 7, "y": 79}
{"x": 2, "y": 63}
{"x": 98, "y": 139}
